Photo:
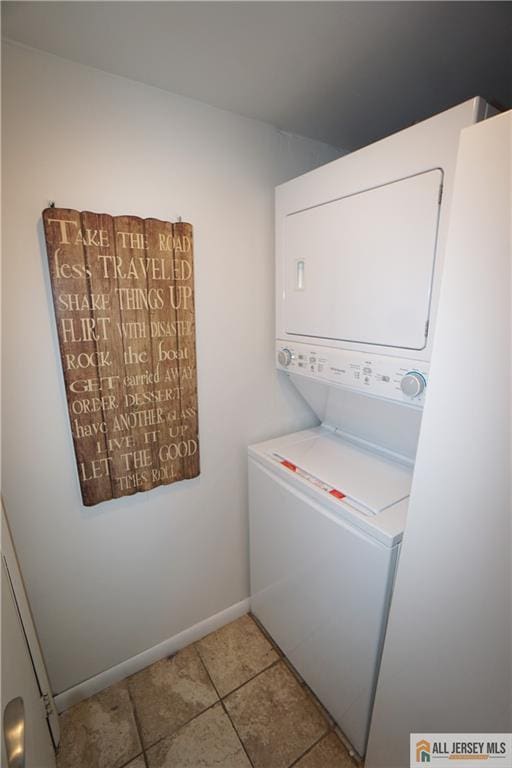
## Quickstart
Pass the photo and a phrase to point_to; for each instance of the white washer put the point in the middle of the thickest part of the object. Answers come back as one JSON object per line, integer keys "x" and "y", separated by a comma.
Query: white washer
{"x": 359, "y": 256}
{"x": 326, "y": 520}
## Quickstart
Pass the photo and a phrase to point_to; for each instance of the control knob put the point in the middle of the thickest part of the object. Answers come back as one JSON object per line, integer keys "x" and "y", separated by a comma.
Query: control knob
{"x": 413, "y": 384}
{"x": 284, "y": 357}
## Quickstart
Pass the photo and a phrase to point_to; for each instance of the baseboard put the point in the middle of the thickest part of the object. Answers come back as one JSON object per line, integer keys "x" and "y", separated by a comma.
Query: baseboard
{"x": 113, "y": 675}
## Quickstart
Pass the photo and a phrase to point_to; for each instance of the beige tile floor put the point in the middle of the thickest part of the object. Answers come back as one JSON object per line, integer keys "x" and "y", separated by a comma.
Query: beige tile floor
{"x": 229, "y": 701}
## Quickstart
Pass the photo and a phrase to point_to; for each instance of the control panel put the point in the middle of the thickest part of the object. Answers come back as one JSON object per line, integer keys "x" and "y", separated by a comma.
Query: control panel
{"x": 378, "y": 375}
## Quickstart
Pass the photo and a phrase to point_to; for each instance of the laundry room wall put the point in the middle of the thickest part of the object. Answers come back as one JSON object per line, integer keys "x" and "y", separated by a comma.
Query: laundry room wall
{"x": 106, "y": 583}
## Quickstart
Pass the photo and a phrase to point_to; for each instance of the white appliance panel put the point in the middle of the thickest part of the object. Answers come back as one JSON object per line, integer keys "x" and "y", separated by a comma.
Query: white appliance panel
{"x": 371, "y": 374}
{"x": 367, "y": 479}
{"x": 321, "y": 588}
{"x": 359, "y": 269}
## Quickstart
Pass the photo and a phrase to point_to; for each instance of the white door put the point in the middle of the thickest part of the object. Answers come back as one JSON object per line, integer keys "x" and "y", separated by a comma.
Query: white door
{"x": 26, "y": 740}
{"x": 24, "y": 673}
{"x": 360, "y": 269}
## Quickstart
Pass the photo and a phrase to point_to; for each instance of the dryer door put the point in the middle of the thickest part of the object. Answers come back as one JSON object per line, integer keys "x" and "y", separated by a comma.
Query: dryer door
{"x": 359, "y": 269}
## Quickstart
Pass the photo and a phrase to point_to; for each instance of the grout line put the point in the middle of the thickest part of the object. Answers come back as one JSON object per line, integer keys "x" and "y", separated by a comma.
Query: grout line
{"x": 354, "y": 756}
{"x": 139, "y": 754}
{"x": 331, "y": 722}
{"x": 294, "y": 672}
{"x": 225, "y": 710}
{"x": 250, "y": 679}
{"x": 266, "y": 634}
{"x": 298, "y": 677}
{"x": 137, "y": 723}
{"x": 309, "y": 749}
{"x": 175, "y": 733}
{"x": 333, "y": 725}
{"x": 236, "y": 731}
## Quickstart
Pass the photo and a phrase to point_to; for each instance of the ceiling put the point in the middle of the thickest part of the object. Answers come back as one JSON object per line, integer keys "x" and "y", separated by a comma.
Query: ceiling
{"x": 347, "y": 73}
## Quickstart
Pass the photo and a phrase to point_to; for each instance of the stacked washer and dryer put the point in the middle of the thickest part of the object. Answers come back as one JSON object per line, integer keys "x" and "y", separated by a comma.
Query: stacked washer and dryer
{"x": 359, "y": 257}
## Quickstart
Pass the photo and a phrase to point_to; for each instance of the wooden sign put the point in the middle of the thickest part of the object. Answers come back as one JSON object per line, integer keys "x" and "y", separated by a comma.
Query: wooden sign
{"x": 123, "y": 291}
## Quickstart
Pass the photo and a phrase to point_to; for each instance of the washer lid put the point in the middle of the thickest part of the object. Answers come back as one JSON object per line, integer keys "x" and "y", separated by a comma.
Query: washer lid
{"x": 366, "y": 480}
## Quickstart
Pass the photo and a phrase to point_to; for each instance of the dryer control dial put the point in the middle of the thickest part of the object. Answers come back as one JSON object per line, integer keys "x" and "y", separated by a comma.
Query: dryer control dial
{"x": 284, "y": 357}
{"x": 413, "y": 384}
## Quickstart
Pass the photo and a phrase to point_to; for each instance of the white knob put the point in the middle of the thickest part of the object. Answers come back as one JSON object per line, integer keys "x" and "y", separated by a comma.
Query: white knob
{"x": 413, "y": 384}
{"x": 284, "y": 357}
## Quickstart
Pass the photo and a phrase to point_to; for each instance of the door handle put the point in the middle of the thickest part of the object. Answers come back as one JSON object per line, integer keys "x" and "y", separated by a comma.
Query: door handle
{"x": 300, "y": 265}
{"x": 14, "y": 733}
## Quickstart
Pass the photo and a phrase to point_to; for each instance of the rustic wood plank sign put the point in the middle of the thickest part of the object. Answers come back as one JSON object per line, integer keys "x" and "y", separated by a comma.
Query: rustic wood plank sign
{"x": 123, "y": 292}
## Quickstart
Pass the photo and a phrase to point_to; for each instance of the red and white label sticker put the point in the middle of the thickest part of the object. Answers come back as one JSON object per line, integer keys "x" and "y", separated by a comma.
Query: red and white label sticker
{"x": 310, "y": 478}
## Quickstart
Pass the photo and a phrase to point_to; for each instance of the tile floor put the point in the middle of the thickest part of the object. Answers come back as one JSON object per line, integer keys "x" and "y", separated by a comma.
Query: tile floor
{"x": 229, "y": 701}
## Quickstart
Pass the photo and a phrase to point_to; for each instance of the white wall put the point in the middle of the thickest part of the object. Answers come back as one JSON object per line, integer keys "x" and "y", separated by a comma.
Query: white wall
{"x": 108, "y": 582}
{"x": 447, "y": 658}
